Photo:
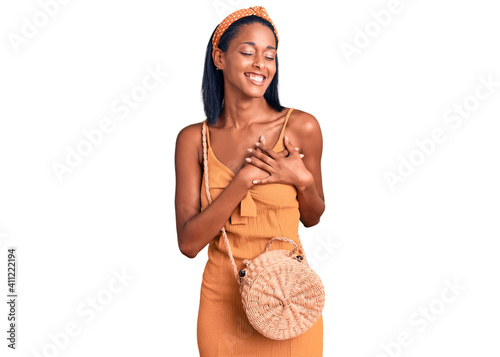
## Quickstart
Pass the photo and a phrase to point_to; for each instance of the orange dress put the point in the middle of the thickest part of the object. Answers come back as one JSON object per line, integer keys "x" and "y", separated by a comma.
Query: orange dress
{"x": 266, "y": 211}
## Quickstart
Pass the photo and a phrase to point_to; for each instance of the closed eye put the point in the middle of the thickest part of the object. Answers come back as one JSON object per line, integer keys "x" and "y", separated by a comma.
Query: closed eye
{"x": 250, "y": 54}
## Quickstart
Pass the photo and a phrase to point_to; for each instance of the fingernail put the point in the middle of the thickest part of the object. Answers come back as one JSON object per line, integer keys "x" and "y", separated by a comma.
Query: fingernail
{"x": 297, "y": 149}
{"x": 254, "y": 181}
{"x": 301, "y": 156}
{"x": 250, "y": 150}
{"x": 286, "y": 137}
{"x": 261, "y": 137}
{"x": 248, "y": 159}
{"x": 257, "y": 143}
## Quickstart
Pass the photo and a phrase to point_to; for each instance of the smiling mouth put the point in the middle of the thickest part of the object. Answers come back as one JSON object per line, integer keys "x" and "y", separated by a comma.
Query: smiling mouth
{"x": 255, "y": 78}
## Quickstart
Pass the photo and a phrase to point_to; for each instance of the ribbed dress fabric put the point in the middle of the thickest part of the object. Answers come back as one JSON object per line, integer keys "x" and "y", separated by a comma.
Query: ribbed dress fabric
{"x": 268, "y": 210}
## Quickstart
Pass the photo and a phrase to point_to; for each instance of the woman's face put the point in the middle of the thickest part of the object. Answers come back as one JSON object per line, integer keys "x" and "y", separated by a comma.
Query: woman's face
{"x": 249, "y": 63}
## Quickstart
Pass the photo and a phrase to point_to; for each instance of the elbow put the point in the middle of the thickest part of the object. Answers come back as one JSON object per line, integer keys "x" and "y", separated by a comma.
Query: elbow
{"x": 310, "y": 223}
{"x": 185, "y": 243}
{"x": 187, "y": 250}
{"x": 314, "y": 221}
{"x": 313, "y": 218}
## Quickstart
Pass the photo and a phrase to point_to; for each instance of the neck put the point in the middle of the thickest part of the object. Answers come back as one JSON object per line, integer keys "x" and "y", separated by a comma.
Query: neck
{"x": 239, "y": 112}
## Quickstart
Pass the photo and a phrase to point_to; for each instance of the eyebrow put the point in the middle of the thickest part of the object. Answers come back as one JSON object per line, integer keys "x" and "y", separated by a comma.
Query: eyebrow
{"x": 253, "y": 44}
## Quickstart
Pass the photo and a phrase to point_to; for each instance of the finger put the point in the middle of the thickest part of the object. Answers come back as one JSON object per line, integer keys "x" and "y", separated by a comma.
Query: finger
{"x": 289, "y": 146}
{"x": 260, "y": 153}
{"x": 265, "y": 149}
{"x": 268, "y": 179}
{"x": 301, "y": 156}
{"x": 283, "y": 152}
{"x": 259, "y": 163}
{"x": 262, "y": 156}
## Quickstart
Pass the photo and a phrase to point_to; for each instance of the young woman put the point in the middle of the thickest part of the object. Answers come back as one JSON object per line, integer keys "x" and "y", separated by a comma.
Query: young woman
{"x": 264, "y": 164}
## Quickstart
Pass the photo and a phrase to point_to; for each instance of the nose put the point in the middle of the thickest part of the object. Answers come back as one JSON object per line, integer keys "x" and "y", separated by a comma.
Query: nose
{"x": 259, "y": 62}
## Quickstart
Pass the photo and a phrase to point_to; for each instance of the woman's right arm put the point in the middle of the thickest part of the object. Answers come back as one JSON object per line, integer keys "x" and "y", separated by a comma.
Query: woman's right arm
{"x": 196, "y": 229}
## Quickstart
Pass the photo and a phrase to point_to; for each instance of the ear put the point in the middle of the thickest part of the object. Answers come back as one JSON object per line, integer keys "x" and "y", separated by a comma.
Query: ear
{"x": 217, "y": 56}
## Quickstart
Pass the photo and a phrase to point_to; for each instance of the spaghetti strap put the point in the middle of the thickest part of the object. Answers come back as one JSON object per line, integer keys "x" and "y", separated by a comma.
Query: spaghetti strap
{"x": 280, "y": 138}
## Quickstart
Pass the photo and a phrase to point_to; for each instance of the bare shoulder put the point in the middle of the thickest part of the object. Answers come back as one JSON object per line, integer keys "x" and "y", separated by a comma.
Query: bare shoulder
{"x": 189, "y": 138}
{"x": 304, "y": 125}
{"x": 189, "y": 133}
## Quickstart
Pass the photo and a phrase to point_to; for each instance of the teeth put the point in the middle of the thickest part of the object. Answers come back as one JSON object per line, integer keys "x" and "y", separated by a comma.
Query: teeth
{"x": 256, "y": 78}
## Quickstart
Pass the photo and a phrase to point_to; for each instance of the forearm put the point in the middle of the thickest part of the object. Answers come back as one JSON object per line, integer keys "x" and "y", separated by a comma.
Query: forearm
{"x": 199, "y": 230}
{"x": 311, "y": 205}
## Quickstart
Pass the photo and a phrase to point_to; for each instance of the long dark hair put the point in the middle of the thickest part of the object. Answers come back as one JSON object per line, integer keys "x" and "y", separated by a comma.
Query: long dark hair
{"x": 212, "y": 87}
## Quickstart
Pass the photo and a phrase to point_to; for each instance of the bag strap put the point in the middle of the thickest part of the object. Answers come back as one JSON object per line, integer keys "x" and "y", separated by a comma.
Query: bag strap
{"x": 223, "y": 229}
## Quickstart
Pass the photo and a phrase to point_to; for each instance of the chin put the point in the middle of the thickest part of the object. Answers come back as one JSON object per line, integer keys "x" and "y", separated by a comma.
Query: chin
{"x": 256, "y": 95}
{"x": 256, "y": 92}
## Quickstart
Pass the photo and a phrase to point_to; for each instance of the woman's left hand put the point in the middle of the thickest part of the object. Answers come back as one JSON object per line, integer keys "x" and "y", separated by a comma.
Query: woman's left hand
{"x": 285, "y": 167}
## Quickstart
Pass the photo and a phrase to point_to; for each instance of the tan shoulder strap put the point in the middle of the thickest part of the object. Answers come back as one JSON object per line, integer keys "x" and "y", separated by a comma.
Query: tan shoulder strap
{"x": 280, "y": 139}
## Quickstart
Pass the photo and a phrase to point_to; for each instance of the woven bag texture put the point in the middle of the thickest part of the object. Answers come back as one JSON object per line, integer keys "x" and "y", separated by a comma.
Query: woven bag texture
{"x": 281, "y": 294}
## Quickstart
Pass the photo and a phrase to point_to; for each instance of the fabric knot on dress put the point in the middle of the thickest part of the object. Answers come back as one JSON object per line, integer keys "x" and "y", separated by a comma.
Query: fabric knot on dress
{"x": 221, "y": 178}
{"x": 245, "y": 209}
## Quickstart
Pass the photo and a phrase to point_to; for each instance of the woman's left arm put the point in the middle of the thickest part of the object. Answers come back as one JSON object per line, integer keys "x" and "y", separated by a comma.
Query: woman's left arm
{"x": 310, "y": 186}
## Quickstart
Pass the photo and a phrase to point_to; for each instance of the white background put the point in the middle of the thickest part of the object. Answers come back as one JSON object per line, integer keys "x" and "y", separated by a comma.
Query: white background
{"x": 384, "y": 255}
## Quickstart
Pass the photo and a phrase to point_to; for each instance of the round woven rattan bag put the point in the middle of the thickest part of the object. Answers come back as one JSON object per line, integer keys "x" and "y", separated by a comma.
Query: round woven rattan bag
{"x": 281, "y": 295}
